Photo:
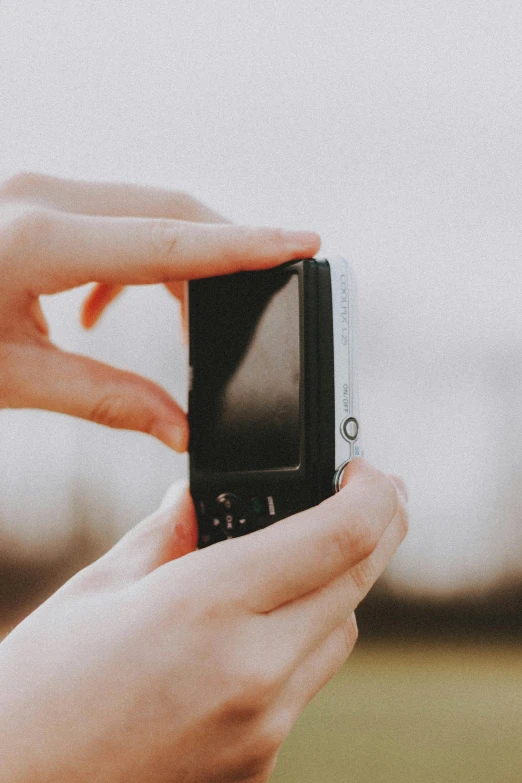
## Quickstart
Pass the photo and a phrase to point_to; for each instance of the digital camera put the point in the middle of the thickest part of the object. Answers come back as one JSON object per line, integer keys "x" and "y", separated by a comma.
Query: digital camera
{"x": 273, "y": 395}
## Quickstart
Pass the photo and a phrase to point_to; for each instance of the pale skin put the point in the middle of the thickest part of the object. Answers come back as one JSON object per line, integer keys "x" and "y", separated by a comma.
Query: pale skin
{"x": 160, "y": 663}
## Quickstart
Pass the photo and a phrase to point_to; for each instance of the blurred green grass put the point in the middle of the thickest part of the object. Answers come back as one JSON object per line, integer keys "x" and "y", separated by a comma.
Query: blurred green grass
{"x": 413, "y": 713}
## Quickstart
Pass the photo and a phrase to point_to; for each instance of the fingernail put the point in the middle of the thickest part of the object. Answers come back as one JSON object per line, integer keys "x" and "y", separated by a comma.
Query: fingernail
{"x": 306, "y": 239}
{"x": 172, "y": 435}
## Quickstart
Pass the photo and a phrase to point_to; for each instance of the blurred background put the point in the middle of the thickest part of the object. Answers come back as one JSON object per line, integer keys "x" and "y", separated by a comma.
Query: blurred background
{"x": 393, "y": 128}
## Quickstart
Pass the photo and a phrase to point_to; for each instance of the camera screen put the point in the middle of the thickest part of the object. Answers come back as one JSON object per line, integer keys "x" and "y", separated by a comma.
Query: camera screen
{"x": 246, "y": 357}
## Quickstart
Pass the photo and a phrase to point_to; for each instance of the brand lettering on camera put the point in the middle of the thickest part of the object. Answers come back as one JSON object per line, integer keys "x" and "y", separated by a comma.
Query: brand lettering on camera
{"x": 344, "y": 309}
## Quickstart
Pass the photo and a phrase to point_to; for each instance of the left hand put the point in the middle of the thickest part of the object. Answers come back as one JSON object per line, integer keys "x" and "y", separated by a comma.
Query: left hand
{"x": 57, "y": 234}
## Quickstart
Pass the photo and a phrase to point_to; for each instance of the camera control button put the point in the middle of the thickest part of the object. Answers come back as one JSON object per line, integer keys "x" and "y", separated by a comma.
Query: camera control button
{"x": 338, "y": 475}
{"x": 231, "y": 514}
{"x": 350, "y": 428}
{"x": 227, "y": 501}
{"x": 259, "y": 506}
{"x": 243, "y": 525}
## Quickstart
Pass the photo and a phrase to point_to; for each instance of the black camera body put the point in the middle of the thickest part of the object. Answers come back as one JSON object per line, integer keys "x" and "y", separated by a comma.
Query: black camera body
{"x": 273, "y": 395}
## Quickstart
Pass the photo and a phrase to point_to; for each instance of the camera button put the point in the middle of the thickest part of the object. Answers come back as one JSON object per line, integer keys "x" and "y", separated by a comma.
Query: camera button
{"x": 227, "y": 500}
{"x": 338, "y": 475}
{"x": 259, "y": 506}
{"x": 243, "y": 525}
{"x": 350, "y": 428}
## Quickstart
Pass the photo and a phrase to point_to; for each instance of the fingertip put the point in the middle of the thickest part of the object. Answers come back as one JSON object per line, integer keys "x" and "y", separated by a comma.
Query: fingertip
{"x": 175, "y": 436}
{"x": 303, "y": 243}
{"x": 90, "y": 311}
{"x": 97, "y": 302}
{"x": 87, "y": 320}
{"x": 357, "y": 468}
{"x": 366, "y": 483}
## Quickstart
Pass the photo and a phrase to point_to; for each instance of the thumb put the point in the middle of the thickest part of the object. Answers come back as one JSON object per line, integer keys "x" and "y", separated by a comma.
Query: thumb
{"x": 167, "y": 534}
{"x": 55, "y": 380}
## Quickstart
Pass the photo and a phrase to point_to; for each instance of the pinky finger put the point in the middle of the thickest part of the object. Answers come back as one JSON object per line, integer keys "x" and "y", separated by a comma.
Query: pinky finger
{"x": 320, "y": 666}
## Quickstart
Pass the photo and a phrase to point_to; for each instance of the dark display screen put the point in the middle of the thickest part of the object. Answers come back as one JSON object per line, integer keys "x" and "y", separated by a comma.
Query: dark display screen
{"x": 246, "y": 356}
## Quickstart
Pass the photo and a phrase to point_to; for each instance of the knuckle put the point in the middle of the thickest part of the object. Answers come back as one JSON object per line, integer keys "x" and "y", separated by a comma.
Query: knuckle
{"x": 257, "y": 686}
{"x": 354, "y": 541}
{"x": 23, "y": 229}
{"x": 22, "y": 184}
{"x": 109, "y": 410}
{"x": 163, "y": 241}
{"x": 272, "y": 237}
{"x": 251, "y": 686}
{"x": 272, "y": 735}
{"x": 132, "y": 403}
{"x": 363, "y": 575}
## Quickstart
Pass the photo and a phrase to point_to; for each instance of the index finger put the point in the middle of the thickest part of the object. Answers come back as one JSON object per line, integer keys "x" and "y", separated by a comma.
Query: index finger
{"x": 107, "y": 198}
{"x": 308, "y": 550}
{"x": 56, "y": 251}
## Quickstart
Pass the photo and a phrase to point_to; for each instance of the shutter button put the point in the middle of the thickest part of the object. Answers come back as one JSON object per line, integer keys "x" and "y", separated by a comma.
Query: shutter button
{"x": 338, "y": 475}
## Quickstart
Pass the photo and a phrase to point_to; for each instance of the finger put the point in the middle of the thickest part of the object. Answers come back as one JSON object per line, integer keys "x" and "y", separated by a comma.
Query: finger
{"x": 49, "y": 378}
{"x": 320, "y": 666}
{"x": 97, "y": 301}
{"x": 179, "y": 289}
{"x": 291, "y": 558}
{"x": 167, "y": 534}
{"x": 53, "y": 251}
{"x": 113, "y": 199}
{"x": 312, "y": 618}
{"x": 108, "y": 198}
{"x": 101, "y": 296}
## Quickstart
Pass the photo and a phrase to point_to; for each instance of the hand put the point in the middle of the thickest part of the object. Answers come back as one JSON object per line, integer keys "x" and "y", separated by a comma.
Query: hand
{"x": 193, "y": 670}
{"x": 56, "y": 235}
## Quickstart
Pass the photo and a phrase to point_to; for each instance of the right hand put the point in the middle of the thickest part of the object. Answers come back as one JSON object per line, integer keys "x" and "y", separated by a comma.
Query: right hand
{"x": 192, "y": 670}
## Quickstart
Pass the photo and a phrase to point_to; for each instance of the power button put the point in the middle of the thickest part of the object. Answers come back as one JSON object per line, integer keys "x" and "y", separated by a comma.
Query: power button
{"x": 350, "y": 429}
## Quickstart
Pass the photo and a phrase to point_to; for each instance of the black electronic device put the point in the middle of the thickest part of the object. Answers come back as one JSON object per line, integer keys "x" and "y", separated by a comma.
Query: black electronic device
{"x": 273, "y": 397}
